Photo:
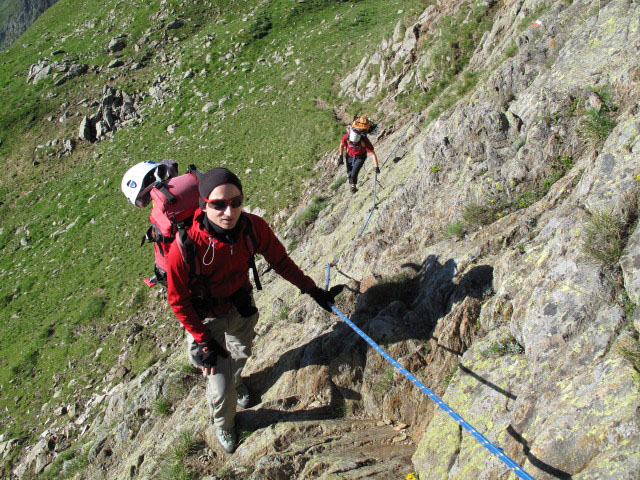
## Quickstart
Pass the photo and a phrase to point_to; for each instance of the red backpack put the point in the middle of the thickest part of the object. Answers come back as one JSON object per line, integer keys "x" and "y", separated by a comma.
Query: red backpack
{"x": 175, "y": 200}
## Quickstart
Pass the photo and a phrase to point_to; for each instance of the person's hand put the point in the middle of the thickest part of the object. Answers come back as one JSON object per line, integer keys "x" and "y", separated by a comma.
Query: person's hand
{"x": 205, "y": 355}
{"x": 377, "y": 169}
{"x": 340, "y": 160}
{"x": 324, "y": 297}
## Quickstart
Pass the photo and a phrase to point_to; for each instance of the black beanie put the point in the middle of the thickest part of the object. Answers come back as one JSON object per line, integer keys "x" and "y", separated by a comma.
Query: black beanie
{"x": 215, "y": 177}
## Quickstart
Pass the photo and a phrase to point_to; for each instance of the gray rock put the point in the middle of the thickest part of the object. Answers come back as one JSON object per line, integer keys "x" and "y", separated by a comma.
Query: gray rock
{"x": 115, "y": 63}
{"x": 175, "y": 24}
{"x": 86, "y": 131}
{"x": 38, "y": 71}
{"x": 208, "y": 106}
{"x": 630, "y": 263}
{"x": 116, "y": 45}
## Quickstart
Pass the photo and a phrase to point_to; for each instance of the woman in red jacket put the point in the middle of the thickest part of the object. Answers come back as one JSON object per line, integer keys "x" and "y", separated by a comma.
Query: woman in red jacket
{"x": 210, "y": 293}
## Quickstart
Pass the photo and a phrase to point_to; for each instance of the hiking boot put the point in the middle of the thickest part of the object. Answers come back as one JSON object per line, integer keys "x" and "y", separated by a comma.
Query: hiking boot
{"x": 227, "y": 439}
{"x": 353, "y": 189}
{"x": 243, "y": 396}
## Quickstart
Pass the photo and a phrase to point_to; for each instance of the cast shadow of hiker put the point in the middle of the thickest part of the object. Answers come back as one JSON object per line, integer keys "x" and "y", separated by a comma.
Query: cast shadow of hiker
{"x": 405, "y": 307}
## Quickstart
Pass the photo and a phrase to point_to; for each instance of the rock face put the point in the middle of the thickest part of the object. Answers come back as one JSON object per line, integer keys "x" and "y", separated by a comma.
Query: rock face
{"x": 25, "y": 14}
{"x": 485, "y": 272}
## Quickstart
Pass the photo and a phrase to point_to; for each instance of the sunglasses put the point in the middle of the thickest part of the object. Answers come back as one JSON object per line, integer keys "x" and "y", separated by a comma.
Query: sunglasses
{"x": 221, "y": 205}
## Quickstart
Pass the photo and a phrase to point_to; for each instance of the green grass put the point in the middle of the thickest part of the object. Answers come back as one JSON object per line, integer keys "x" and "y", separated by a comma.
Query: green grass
{"x": 449, "y": 376}
{"x": 174, "y": 467}
{"x": 436, "y": 168}
{"x": 603, "y": 237}
{"x": 311, "y": 212}
{"x": 456, "y": 229}
{"x": 629, "y": 349}
{"x": 511, "y": 50}
{"x": 337, "y": 183}
{"x": 66, "y": 465}
{"x": 597, "y": 124}
{"x": 75, "y": 285}
{"x": 479, "y": 214}
{"x": 161, "y": 406}
{"x": 506, "y": 346}
{"x": 384, "y": 382}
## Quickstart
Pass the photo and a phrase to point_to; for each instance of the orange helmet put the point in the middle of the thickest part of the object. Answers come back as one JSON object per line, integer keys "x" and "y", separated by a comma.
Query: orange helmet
{"x": 361, "y": 123}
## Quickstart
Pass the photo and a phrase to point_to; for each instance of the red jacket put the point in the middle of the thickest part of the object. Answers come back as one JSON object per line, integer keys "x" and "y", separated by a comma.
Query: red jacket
{"x": 359, "y": 149}
{"x": 228, "y": 271}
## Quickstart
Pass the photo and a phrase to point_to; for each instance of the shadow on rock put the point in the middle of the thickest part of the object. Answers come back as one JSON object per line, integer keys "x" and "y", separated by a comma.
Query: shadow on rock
{"x": 404, "y": 307}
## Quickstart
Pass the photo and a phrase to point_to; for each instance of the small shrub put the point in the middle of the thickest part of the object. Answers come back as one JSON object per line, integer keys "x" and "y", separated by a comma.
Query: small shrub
{"x": 283, "y": 314}
{"x": 456, "y": 229}
{"x": 185, "y": 445}
{"x": 511, "y": 50}
{"x": 436, "y": 168}
{"x": 449, "y": 376}
{"x": 475, "y": 214}
{"x": 603, "y": 238}
{"x": 384, "y": 382}
{"x": 507, "y": 346}
{"x": 629, "y": 349}
{"x": 161, "y": 406}
{"x": 597, "y": 124}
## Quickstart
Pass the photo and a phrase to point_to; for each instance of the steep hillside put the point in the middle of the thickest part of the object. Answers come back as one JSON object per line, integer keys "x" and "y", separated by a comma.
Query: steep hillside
{"x": 500, "y": 266}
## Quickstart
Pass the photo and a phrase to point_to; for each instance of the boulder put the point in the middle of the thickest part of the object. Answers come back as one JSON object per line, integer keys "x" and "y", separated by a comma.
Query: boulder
{"x": 116, "y": 45}
{"x": 175, "y": 24}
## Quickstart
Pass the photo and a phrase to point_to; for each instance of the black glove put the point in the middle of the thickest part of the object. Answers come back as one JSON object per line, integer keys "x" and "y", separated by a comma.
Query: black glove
{"x": 377, "y": 169}
{"x": 340, "y": 160}
{"x": 206, "y": 354}
{"x": 323, "y": 297}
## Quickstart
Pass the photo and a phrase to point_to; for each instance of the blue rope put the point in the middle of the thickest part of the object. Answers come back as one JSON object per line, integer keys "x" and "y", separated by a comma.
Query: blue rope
{"x": 517, "y": 469}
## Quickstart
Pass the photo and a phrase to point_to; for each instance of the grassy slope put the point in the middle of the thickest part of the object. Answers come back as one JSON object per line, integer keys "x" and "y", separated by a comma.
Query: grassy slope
{"x": 62, "y": 293}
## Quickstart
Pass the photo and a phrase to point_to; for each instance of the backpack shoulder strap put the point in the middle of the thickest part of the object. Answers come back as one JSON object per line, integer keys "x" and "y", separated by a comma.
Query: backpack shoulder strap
{"x": 252, "y": 246}
{"x": 188, "y": 250}
{"x": 192, "y": 169}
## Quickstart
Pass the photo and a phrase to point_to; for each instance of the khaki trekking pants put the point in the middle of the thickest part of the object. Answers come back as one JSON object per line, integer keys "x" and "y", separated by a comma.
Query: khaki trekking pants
{"x": 236, "y": 334}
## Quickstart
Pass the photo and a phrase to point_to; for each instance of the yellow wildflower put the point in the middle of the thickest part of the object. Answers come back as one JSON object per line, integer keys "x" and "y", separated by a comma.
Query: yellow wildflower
{"x": 638, "y": 177}
{"x": 412, "y": 476}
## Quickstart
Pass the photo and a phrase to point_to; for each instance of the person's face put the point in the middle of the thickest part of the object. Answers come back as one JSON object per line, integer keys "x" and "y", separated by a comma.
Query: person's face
{"x": 228, "y": 217}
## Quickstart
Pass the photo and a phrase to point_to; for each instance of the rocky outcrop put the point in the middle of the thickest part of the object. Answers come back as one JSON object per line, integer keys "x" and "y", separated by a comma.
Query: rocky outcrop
{"x": 117, "y": 109}
{"x": 64, "y": 70}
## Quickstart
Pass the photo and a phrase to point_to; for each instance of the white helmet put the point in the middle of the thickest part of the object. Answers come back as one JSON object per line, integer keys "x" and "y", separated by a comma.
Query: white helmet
{"x": 137, "y": 181}
{"x": 354, "y": 136}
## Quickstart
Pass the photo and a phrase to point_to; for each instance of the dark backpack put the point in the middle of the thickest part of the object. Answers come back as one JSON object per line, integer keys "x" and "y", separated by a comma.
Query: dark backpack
{"x": 175, "y": 201}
